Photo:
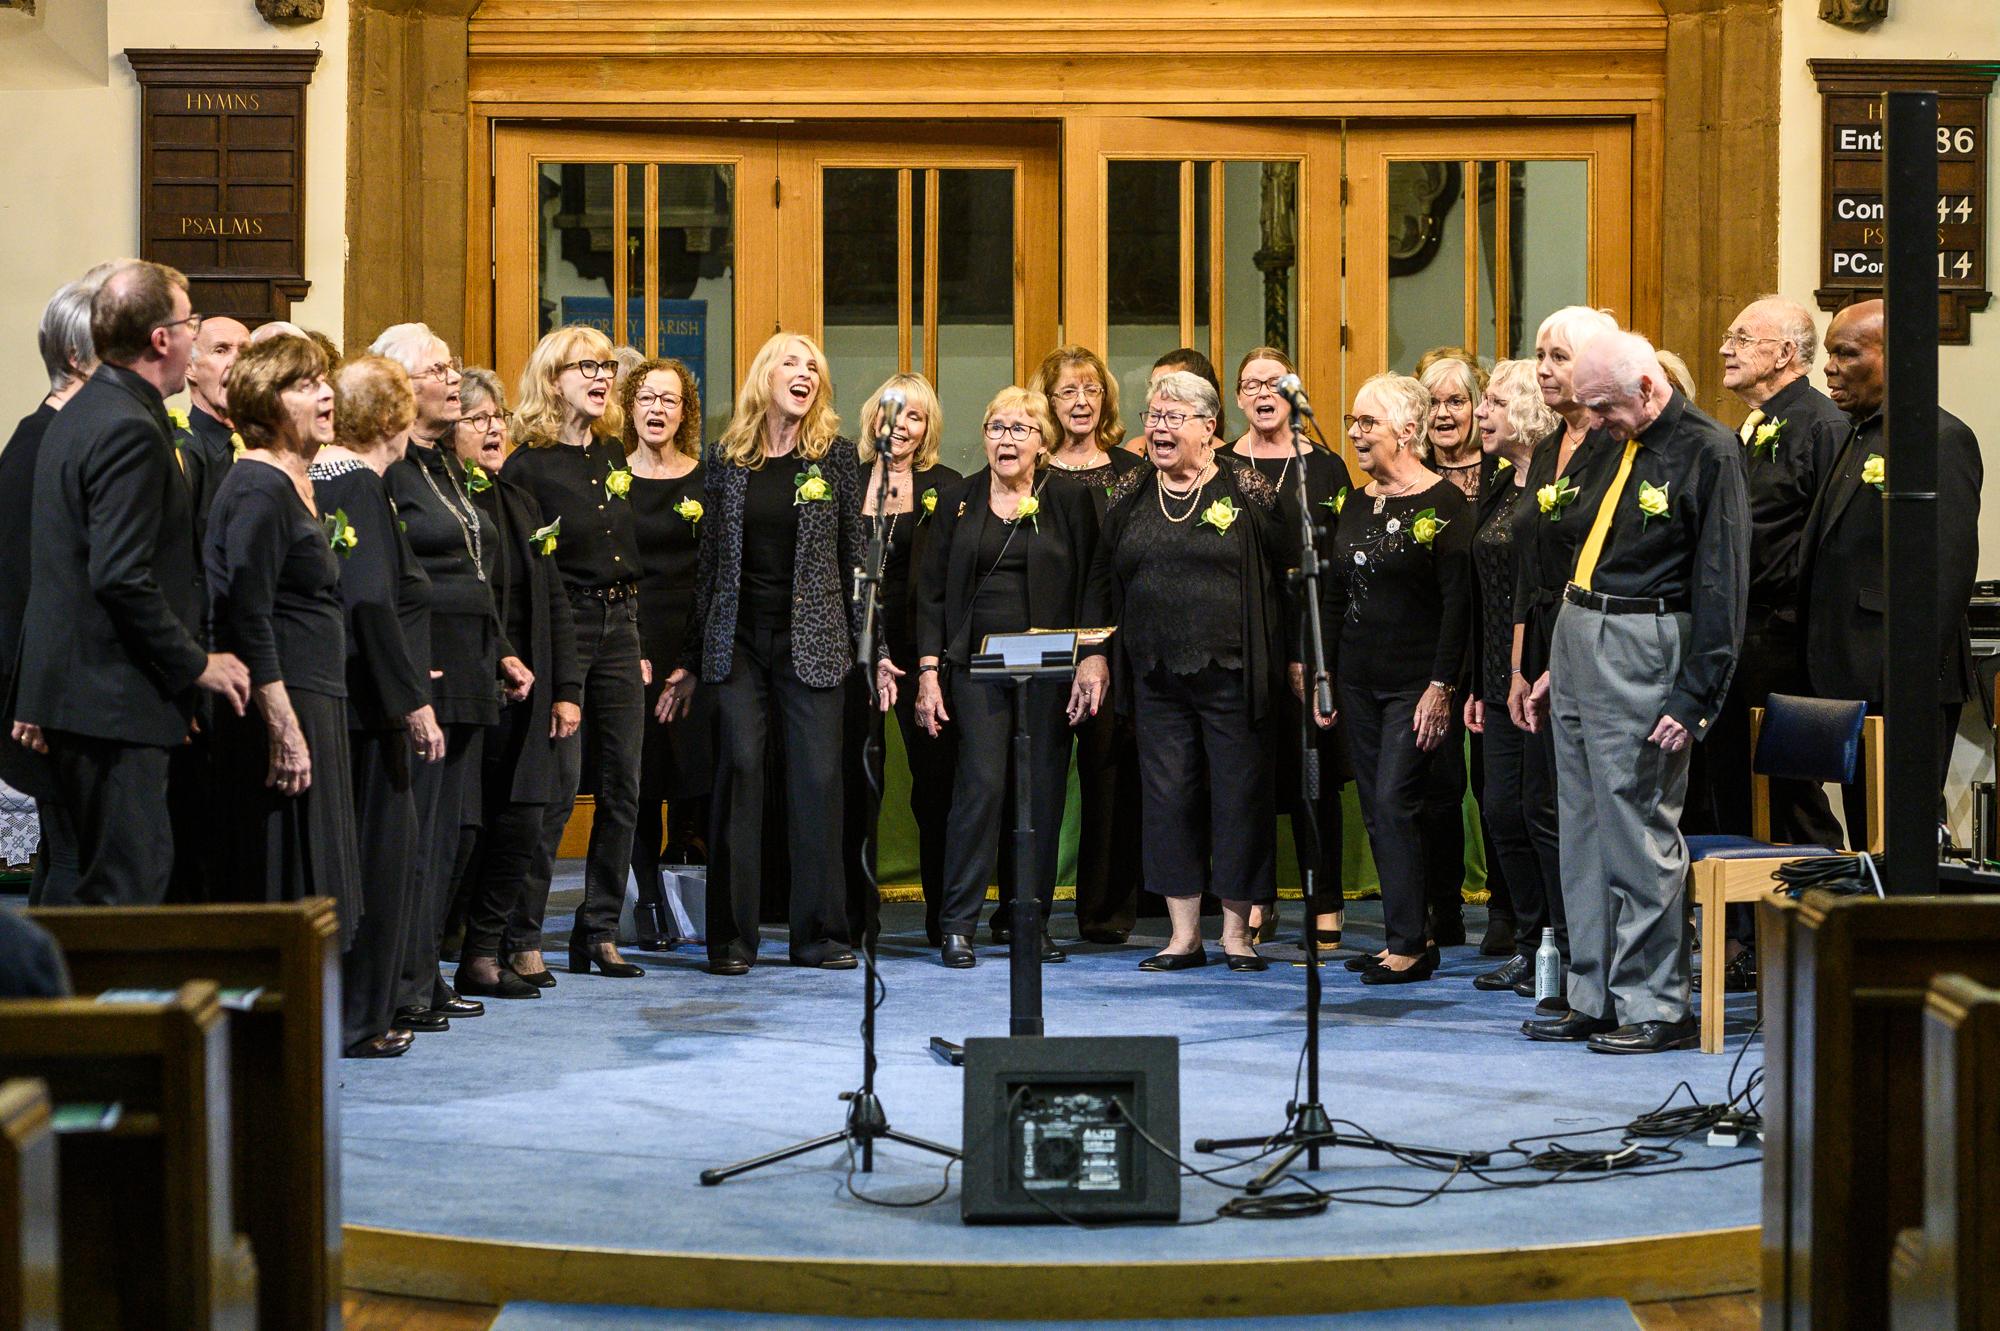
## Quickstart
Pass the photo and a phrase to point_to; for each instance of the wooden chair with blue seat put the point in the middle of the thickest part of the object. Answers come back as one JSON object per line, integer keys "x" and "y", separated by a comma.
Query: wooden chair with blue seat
{"x": 1802, "y": 739}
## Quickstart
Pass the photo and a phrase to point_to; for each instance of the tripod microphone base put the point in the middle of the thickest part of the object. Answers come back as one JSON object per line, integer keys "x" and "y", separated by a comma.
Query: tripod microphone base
{"x": 1308, "y": 1130}
{"x": 867, "y": 1124}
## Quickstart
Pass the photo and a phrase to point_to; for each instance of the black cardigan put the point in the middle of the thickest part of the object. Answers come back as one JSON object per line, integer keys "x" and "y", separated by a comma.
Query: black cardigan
{"x": 520, "y": 740}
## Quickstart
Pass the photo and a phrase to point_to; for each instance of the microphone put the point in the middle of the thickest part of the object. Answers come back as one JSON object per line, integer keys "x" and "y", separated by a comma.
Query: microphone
{"x": 1294, "y": 392}
{"x": 889, "y": 411}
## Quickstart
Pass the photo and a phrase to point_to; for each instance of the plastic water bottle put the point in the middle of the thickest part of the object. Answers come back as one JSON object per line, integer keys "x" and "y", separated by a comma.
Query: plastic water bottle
{"x": 1548, "y": 967}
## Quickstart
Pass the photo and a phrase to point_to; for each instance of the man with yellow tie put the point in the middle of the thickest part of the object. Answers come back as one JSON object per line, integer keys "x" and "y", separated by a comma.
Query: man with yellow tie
{"x": 1645, "y": 645}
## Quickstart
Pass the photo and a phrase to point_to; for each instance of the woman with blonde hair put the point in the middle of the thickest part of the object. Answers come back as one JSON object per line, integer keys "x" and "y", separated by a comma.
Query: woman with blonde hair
{"x": 572, "y": 464}
{"x": 902, "y": 485}
{"x": 773, "y": 633}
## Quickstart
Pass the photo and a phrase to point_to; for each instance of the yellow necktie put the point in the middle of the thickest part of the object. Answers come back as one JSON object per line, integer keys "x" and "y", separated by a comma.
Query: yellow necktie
{"x": 1750, "y": 424}
{"x": 1600, "y": 526}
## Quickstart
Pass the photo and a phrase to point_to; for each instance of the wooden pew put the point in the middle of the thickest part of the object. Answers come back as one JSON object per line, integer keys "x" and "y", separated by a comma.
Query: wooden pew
{"x": 147, "y": 1234}
{"x": 28, "y": 1243}
{"x": 284, "y": 1052}
{"x": 1939, "y": 1280}
{"x": 1845, "y": 981}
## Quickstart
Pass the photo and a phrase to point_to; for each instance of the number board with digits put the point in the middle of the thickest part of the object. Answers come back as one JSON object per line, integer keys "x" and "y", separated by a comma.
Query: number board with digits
{"x": 1851, "y": 218}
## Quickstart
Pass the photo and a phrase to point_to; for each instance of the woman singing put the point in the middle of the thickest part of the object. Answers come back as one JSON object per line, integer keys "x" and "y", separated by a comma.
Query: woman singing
{"x": 1399, "y": 584}
{"x": 906, "y": 486}
{"x": 573, "y": 466}
{"x": 1017, "y": 550}
{"x": 1194, "y": 545}
{"x": 773, "y": 633}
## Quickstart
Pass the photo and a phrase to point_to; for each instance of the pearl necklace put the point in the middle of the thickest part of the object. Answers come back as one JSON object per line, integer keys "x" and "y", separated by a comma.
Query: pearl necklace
{"x": 1192, "y": 494}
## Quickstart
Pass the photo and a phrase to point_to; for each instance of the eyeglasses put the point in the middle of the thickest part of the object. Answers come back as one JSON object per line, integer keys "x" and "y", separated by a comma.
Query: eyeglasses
{"x": 444, "y": 369}
{"x": 1456, "y": 402}
{"x": 1173, "y": 420}
{"x": 592, "y": 369}
{"x": 1366, "y": 424}
{"x": 1070, "y": 394}
{"x": 485, "y": 420}
{"x": 671, "y": 401}
{"x": 192, "y": 323}
{"x": 1256, "y": 386}
{"x": 1019, "y": 433}
{"x": 1736, "y": 339}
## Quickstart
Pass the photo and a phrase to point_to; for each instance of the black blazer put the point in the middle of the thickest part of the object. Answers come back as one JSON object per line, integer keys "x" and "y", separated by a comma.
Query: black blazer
{"x": 1843, "y": 588}
{"x": 520, "y": 740}
{"x": 1068, "y": 585}
{"x": 109, "y": 640}
{"x": 20, "y": 768}
{"x": 825, "y": 619}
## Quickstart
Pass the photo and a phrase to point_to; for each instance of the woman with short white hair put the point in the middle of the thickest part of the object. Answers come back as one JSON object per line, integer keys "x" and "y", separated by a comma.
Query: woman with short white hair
{"x": 1399, "y": 584}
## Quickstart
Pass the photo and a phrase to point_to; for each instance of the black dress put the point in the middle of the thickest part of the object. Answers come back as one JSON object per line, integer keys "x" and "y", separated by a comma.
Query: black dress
{"x": 274, "y": 591}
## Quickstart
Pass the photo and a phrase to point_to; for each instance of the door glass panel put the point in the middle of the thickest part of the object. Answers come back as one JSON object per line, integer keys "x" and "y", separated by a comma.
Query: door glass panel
{"x": 578, "y": 233}
{"x": 1204, "y": 266}
{"x": 920, "y": 182}
{"x": 1142, "y": 278}
{"x": 975, "y": 303}
{"x": 1551, "y": 243}
{"x": 697, "y": 280}
{"x": 1260, "y": 266}
{"x": 1426, "y": 247}
{"x": 860, "y": 271}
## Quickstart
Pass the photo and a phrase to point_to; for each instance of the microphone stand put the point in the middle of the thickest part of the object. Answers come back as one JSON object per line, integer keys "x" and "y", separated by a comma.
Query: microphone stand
{"x": 867, "y": 1122}
{"x": 1308, "y": 1127}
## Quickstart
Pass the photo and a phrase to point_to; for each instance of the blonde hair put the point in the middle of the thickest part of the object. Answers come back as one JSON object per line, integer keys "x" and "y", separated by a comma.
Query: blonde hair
{"x": 742, "y": 441}
{"x": 1574, "y": 325}
{"x": 1405, "y": 401}
{"x": 1527, "y": 415}
{"x": 918, "y": 393}
{"x": 687, "y": 439}
{"x": 1034, "y": 404}
{"x": 1110, "y": 430}
{"x": 539, "y": 417}
{"x": 372, "y": 402}
{"x": 1678, "y": 373}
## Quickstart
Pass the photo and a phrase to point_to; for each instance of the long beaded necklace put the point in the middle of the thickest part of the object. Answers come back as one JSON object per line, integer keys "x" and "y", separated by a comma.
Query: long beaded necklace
{"x": 468, "y": 522}
{"x": 1192, "y": 494}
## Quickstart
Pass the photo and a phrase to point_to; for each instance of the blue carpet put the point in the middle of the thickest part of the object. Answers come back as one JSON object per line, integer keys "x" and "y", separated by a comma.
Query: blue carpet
{"x": 1582, "y": 1315}
{"x": 583, "y": 1118}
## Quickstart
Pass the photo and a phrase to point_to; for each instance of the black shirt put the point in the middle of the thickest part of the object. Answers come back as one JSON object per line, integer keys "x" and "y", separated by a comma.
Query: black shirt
{"x": 207, "y": 449}
{"x": 669, "y": 550}
{"x": 599, "y": 544}
{"x": 1000, "y": 598}
{"x": 17, "y": 507}
{"x": 1695, "y": 556}
{"x": 1493, "y": 550}
{"x": 457, "y": 545}
{"x": 1403, "y": 604}
{"x": 274, "y": 583}
{"x": 1783, "y": 477}
{"x": 1548, "y": 538}
{"x": 384, "y": 683}
{"x": 771, "y": 537}
{"x": 1183, "y": 585}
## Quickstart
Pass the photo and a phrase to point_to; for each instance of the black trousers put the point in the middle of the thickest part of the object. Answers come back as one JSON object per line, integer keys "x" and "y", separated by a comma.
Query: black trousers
{"x": 675, "y": 760}
{"x": 1520, "y": 816}
{"x": 500, "y": 870}
{"x": 1108, "y": 847}
{"x": 1538, "y": 790}
{"x": 1206, "y": 784}
{"x": 1319, "y": 831}
{"x": 1444, "y": 827}
{"x": 932, "y": 765}
{"x": 1393, "y": 778}
{"x": 445, "y": 790}
{"x": 191, "y": 809}
{"x": 614, "y": 704}
{"x": 385, "y": 819}
{"x": 114, "y": 796}
{"x": 979, "y": 836}
{"x": 764, "y": 690}
{"x": 56, "y": 862}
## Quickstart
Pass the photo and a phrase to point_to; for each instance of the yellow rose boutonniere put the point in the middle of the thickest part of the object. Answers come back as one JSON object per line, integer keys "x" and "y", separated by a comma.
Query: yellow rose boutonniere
{"x": 1875, "y": 472}
{"x": 236, "y": 446}
{"x": 1425, "y": 526}
{"x": 618, "y": 484}
{"x": 811, "y": 487}
{"x": 340, "y": 533}
{"x": 1553, "y": 499}
{"x": 1503, "y": 464}
{"x": 689, "y": 510}
{"x": 1220, "y": 515}
{"x": 930, "y": 502}
{"x": 477, "y": 479}
{"x": 1652, "y": 502}
{"x": 544, "y": 538}
{"x": 1338, "y": 503}
{"x": 1766, "y": 439}
{"x": 179, "y": 418}
{"x": 1028, "y": 510}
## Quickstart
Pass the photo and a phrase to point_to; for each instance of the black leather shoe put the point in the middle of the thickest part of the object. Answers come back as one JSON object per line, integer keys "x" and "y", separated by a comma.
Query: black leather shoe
{"x": 509, "y": 985}
{"x": 1175, "y": 961}
{"x": 728, "y": 966}
{"x": 1648, "y": 1037}
{"x": 1000, "y": 930}
{"x": 1051, "y": 954}
{"x": 389, "y": 1044}
{"x": 459, "y": 1007}
{"x": 1425, "y": 968}
{"x": 1505, "y": 976}
{"x": 1246, "y": 961}
{"x": 1499, "y": 939}
{"x": 1108, "y": 936}
{"x": 1448, "y": 931}
{"x": 957, "y": 952}
{"x": 541, "y": 979}
{"x": 1366, "y": 962}
{"x": 1739, "y": 975}
{"x": 826, "y": 957}
{"x": 1552, "y": 1006}
{"x": 1571, "y": 1028}
{"x": 422, "y": 1020}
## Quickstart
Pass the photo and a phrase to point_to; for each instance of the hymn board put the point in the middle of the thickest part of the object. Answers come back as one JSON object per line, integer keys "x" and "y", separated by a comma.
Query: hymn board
{"x": 222, "y": 174}
{"x": 1851, "y": 205}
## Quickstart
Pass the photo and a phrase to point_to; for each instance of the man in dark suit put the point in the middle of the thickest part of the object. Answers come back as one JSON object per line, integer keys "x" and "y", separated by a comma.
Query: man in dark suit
{"x": 111, "y": 655}
{"x": 1842, "y": 577}
{"x": 205, "y": 445}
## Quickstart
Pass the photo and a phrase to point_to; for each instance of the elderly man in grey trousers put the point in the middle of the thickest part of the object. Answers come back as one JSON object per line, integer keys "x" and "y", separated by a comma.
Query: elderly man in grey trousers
{"x": 1645, "y": 645}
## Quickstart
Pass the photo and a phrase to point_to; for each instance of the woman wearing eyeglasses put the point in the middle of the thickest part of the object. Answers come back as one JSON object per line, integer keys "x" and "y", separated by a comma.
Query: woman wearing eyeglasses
{"x": 574, "y": 466}
{"x": 661, "y": 405}
{"x": 1017, "y": 550}
{"x": 773, "y": 636}
{"x": 1083, "y": 398}
{"x": 1270, "y": 446}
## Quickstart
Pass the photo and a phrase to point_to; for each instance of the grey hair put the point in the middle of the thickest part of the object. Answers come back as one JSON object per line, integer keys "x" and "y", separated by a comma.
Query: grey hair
{"x": 403, "y": 344}
{"x": 1527, "y": 415}
{"x": 1405, "y": 401}
{"x": 276, "y": 328}
{"x": 1190, "y": 390}
{"x": 1624, "y": 359}
{"x": 1795, "y": 325}
{"x": 479, "y": 384}
{"x": 1575, "y": 325}
{"x": 68, "y": 353}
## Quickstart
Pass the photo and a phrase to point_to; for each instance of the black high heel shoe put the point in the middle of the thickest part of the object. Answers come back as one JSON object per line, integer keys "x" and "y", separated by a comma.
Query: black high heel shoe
{"x": 580, "y": 963}
{"x": 1425, "y": 968}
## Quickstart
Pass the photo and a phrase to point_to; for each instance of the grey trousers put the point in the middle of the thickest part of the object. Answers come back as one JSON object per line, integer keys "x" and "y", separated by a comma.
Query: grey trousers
{"x": 1619, "y": 798}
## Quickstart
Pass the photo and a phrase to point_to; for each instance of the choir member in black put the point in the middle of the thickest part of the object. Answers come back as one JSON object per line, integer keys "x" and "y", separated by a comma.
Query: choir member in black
{"x": 1545, "y": 557}
{"x": 203, "y": 435}
{"x": 1400, "y": 582}
{"x": 283, "y": 776}
{"x": 773, "y": 634}
{"x": 661, "y": 404}
{"x": 1511, "y": 418}
{"x": 70, "y": 359}
{"x": 504, "y": 898}
{"x": 109, "y": 659}
{"x": 1269, "y": 446}
{"x": 1084, "y": 397}
{"x": 1180, "y": 358}
{"x": 572, "y": 463}
{"x": 906, "y": 486}
{"x": 389, "y": 717}
{"x": 1016, "y": 549}
{"x": 455, "y": 545}
{"x": 1194, "y": 545}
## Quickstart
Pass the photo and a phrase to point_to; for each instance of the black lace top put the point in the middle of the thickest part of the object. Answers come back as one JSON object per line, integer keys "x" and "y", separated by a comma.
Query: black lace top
{"x": 1183, "y": 585}
{"x": 1493, "y": 571}
{"x": 1402, "y": 600}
